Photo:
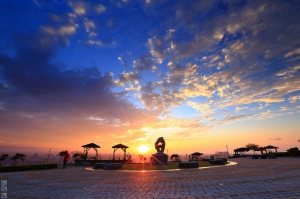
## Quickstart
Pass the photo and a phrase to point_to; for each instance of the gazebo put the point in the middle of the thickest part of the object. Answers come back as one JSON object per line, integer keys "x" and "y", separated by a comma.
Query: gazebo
{"x": 120, "y": 146}
{"x": 87, "y": 147}
{"x": 270, "y": 147}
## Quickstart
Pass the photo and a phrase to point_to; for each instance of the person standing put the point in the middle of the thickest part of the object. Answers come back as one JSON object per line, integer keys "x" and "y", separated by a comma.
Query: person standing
{"x": 66, "y": 158}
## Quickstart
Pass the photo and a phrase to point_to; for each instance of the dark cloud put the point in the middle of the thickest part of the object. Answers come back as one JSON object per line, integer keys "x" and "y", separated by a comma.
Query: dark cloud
{"x": 275, "y": 139}
{"x": 32, "y": 85}
{"x": 145, "y": 62}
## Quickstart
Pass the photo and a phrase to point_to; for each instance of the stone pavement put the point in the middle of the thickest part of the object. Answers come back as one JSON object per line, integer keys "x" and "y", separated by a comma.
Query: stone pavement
{"x": 269, "y": 178}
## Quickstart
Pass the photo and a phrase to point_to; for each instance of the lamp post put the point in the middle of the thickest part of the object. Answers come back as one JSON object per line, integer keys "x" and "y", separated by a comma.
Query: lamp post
{"x": 227, "y": 150}
{"x": 48, "y": 154}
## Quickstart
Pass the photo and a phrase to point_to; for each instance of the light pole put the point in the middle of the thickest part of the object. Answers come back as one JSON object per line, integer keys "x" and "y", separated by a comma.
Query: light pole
{"x": 227, "y": 150}
{"x": 48, "y": 154}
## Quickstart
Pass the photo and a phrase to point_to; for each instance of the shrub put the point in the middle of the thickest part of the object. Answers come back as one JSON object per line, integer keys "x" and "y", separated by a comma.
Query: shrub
{"x": 282, "y": 154}
{"x": 28, "y": 167}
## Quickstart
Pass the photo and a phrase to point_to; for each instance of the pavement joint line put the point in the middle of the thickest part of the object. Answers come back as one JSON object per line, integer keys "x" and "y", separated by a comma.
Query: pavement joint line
{"x": 278, "y": 178}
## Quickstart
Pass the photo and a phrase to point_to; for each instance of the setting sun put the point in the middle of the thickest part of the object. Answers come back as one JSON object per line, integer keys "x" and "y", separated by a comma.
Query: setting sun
{"x": 143, "y": 148}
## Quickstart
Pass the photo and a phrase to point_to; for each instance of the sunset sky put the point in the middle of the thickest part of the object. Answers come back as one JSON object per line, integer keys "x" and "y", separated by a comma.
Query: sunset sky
{"x": 201, "y": 74}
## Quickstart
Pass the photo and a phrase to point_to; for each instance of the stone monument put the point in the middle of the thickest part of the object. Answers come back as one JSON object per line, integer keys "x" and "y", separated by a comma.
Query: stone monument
{"x": 159, "y": 158}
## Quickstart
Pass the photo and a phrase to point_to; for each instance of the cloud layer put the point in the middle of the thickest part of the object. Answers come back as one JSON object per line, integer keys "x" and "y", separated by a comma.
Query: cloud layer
{"x": 227, "y": 61}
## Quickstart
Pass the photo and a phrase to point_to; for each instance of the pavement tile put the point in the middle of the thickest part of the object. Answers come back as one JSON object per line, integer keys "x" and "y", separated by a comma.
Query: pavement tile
{"x": 269, "y": 178}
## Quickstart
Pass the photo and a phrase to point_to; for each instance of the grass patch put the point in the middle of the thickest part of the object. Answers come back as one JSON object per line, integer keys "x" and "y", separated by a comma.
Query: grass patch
{"x": 171, "y": 165}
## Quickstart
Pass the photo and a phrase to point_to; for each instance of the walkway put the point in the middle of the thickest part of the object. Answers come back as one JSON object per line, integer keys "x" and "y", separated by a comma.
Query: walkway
{"x": 270, "y": 178}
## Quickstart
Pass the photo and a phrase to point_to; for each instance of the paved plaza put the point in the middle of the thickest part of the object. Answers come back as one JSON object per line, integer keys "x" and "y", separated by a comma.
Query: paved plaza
{"x": 250, "y": 178}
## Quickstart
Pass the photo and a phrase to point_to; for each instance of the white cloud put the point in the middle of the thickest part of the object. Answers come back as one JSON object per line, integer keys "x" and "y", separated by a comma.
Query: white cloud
{"x": 240, "y": 108}
{"x": 284, "y": 108}
{"x": 99, "y": 8}
{"x": 294, "y": 99}
{"x": 292, "y": 53}
{"x": 127, "y": 77}
{"x": 66, "y": 30}
{"x": 89, "y": 25}
{"x": 157, "y": 49}
{"x": 63, "y": 30}
{"x": 203, "y": 107}
{"x": 133, "y": 88}
{"x": 94, "y": 42}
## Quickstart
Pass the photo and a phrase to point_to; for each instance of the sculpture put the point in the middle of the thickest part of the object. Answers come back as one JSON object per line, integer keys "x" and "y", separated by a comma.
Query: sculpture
{"x": 159, "y": 158}
{"x": 160, "y": 147}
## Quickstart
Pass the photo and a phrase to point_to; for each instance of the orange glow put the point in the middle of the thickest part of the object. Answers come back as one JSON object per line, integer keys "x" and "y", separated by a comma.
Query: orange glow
{"x": 143, "y": 148}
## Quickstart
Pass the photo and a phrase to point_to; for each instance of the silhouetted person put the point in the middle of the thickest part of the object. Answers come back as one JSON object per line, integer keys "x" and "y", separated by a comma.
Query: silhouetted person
{"x": 261, "y": 151}
{"x": 66, "y": 158}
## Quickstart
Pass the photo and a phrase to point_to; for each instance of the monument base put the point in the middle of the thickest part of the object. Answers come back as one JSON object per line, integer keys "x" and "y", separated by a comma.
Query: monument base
{"x": 159, "y": 159}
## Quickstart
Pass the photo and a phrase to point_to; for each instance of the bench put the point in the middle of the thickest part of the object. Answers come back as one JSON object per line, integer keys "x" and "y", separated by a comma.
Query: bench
{"x": 188, "y": 164}
{"x": 255, "y": 156}
{"x": 272, "y": 156}
{"x": 98, "y": 165}
{"x": 264, "y": 156}
{"x": 218, "y": 161}
{"x": 112, "y": 166}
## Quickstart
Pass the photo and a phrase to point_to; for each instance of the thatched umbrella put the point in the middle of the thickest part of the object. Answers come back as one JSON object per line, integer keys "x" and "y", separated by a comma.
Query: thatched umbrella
{"x": 196, "y": 155}
{"x": 293, "y": 149}
{"x": 174, "y": 156}
{"x": 270, "y": 147}
{"x": 261, "y": 149}
{"x": 87, "y": 147}
{"x": 120, "y": 146}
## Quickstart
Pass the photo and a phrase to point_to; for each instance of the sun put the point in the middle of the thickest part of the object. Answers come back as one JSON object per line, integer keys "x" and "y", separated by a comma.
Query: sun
{"x": 143, "y": 148}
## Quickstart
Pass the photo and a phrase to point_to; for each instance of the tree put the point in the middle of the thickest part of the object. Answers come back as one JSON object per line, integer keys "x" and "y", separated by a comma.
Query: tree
{"x": 241, "y": 150}
{"x": 253, "y": 147}
{"x": 18, "y": 156}
{"x": 3, "y": 157}
{"x": 61, "y": 154}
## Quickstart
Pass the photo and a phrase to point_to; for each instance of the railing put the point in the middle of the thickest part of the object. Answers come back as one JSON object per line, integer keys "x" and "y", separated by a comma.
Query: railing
{"x": 103, "y": 157}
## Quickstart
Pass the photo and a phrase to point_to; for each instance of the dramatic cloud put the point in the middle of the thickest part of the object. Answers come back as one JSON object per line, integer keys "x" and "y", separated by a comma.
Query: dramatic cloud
{"x": 144, "y": 63}
{"x": 134, "y": 70}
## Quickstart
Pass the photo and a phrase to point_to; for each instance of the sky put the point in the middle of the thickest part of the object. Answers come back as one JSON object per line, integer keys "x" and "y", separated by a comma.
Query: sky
{"x": 206, "y": 75}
